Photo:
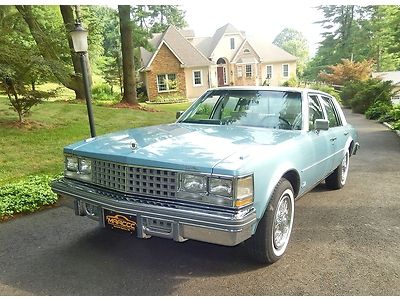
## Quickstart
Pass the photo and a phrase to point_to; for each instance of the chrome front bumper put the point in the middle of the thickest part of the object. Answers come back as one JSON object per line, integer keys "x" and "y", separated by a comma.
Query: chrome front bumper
{"x": 163, "y": 218}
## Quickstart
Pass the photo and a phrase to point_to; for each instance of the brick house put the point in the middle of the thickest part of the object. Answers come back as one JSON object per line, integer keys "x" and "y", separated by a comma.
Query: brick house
{"x": 185, "y": 65}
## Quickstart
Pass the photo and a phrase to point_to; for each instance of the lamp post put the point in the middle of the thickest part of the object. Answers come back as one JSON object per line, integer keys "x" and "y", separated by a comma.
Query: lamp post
{"x": 79, "y": 40}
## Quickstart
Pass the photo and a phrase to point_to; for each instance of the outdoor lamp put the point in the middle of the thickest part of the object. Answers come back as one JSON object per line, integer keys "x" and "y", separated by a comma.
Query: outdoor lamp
{"x": 79, "y": 38}
{"x": 80, "y": 42}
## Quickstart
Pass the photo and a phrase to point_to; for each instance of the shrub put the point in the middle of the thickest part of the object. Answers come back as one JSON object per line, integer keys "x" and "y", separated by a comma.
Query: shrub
{"x": 392, "y": 115}
{"x": 169, "y": 98}
{"x": 363, "y": 94}
{"x": 292, "y": 82}
{"x": 377, "y": 110}
{"x": 102, "y": 92}
{"x": 26, "y": 195}
{"x": 348, "y": 92}
{"x": 396, "y": 125}
{"x": 22, "y": 99}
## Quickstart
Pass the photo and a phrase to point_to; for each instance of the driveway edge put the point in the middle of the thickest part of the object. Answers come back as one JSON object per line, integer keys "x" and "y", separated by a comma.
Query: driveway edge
{"x": 391, "y": 127}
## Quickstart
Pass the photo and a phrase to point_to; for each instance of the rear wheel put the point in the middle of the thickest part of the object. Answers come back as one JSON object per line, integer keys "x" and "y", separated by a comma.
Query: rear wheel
{"x": 338, "y": 178}
{"x": 270, "y": 241}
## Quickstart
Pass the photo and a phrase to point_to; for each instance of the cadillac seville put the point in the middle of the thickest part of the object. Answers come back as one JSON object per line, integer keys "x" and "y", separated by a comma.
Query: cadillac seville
{"x": 227, "y": 172}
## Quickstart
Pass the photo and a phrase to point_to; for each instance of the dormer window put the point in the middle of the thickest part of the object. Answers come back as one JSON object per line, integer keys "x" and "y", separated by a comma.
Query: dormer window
{"x": 232, "y": 43}
{"x": 246, "y": 50}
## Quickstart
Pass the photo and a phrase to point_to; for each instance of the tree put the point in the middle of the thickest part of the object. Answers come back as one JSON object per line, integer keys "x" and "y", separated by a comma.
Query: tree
{"x": 164, "y": 15}
{"x": 111, "y": 66}
{"x": 348, "y": 71}
{"x": 128, "y": 66}
{"x": 21, "y": 66}
{"x": 294, "y": 42}
{"x": 51, "y": 47}
{"x": 358, "y": 33}
{"x": 69, "y": 24}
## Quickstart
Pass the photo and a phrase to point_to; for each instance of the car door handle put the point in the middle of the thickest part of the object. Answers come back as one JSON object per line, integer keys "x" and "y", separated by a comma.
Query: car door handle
{"x": 346, "y": 133}
{"x": 333, "y": 139}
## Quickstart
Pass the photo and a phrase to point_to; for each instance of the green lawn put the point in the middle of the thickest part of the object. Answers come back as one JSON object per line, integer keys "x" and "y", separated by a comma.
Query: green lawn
{"x": 37, "y": 149}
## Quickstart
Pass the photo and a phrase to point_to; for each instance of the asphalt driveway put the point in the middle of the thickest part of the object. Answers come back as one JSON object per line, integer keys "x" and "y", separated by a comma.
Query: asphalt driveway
{"x": 344, "y": 242}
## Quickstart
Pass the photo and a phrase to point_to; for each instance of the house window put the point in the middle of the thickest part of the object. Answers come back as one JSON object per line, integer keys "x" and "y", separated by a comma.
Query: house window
{"x": 285, "y": 70}
{"x": 249, "y": 71}
{"x": 269, "y": 72}
{"x": 197, "y": 78}
{"x": 167, "y": 82}
{"x": 239, "y": 72}
{"x": 232, "y": 43}
{"x": 246, "y": 50}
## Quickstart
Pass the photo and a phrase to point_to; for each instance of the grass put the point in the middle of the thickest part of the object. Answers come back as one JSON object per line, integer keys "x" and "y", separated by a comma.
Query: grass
{"x": 36, "y": 148}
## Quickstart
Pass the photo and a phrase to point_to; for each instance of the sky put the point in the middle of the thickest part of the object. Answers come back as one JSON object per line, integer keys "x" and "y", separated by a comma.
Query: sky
{"x": 256, "y": 18}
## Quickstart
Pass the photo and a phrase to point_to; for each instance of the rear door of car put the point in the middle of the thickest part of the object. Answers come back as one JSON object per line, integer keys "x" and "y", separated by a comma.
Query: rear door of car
{"x": 336, "y": 134}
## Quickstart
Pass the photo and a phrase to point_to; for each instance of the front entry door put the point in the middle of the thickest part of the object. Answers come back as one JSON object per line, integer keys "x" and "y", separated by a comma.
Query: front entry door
{"x": 220, "y": 75}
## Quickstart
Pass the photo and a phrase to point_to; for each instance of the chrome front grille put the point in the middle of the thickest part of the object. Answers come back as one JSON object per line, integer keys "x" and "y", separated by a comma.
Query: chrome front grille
{"x": 135, "y": 179}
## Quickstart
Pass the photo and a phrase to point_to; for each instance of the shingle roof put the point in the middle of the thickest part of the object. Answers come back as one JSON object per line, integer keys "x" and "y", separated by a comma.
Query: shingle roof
{"x": 270, "y": 53}
{"x": 179, "y": 45}
{"x": 187, "y": 33}
{"x": 393, "y": 76}
{"x": 197, "y": 51}
{"x": 203, "y": 44}
{"x": 219, "y": 33}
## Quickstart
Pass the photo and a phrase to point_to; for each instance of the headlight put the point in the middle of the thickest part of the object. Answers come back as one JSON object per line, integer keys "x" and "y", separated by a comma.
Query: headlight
{"x": 78, "y": 168}
{"x": 85, "y": 166}
{"x": 221, "y": 187}
{"x": 244, "y": 191}
{"x": 71, "y": 163}
{"x": 193, "y": 183}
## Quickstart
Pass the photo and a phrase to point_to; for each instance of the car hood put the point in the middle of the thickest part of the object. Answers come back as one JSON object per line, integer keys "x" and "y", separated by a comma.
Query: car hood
{"x": 189, "y": 147}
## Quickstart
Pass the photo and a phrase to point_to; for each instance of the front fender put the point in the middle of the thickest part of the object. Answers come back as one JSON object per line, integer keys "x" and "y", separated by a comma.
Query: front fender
{"x": 269, "y": 182}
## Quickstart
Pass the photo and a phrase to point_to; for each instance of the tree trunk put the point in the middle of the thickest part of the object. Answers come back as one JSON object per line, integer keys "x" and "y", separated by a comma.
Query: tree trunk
{"x": 120, "y": 74}
{"x": 69, "y": 24}
{"x": 70, "y": 81}
{"x": 128, "y": 66}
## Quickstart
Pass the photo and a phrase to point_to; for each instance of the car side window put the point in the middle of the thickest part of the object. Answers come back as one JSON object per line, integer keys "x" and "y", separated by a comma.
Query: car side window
{"x": 314, "y": 110}
{"x": 331, "y": 112}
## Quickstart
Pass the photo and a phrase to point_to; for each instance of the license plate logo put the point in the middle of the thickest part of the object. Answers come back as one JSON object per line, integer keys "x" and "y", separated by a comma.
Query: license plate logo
{"x": 121, "y": 222}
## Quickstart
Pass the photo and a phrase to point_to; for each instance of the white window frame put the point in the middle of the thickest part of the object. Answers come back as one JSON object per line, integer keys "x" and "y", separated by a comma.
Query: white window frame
{"x": 266, "y": 71}
{"x": 166, "y": 84}
{"x": 232, "y": 43}
{"x": 283, "y": 71}
{"x": 194, "y": 78}
{"x": 251, "y": 71}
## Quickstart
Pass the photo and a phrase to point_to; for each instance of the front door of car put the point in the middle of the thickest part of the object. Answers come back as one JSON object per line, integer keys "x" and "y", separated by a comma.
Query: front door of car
{"x": 319, "y": 146}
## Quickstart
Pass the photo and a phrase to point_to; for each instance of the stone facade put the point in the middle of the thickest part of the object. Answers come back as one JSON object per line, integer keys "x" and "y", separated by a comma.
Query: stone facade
{"x": 165, "y": 62}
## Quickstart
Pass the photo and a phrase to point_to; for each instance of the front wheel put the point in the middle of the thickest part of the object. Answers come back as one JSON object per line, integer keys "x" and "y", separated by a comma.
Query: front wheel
{"x": 338, "y": 178}
{"x": 270, "y": 241}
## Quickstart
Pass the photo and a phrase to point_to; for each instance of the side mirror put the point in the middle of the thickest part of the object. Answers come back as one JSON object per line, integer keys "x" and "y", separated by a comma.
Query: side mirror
{"x": 178, "y": 114}
{"x": 321, "y": 124}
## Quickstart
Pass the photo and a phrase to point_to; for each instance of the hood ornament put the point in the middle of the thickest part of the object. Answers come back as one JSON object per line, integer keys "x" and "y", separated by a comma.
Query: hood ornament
{"x": 134, "y": 146}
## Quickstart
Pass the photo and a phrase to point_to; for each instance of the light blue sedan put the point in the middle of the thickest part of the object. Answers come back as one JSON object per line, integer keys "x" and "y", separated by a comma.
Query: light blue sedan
{"x": 227, "y": 172}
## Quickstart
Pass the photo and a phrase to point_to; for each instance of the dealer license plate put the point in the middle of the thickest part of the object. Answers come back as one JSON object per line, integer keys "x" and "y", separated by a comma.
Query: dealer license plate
{"x": 120, "y": 221}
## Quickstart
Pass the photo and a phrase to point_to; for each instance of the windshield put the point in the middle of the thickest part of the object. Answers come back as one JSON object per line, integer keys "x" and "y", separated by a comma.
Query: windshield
{"x": 269, "y": 109}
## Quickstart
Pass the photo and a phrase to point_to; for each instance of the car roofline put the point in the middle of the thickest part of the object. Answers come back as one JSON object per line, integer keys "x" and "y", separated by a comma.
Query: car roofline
{"x": 269, "y": 88}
